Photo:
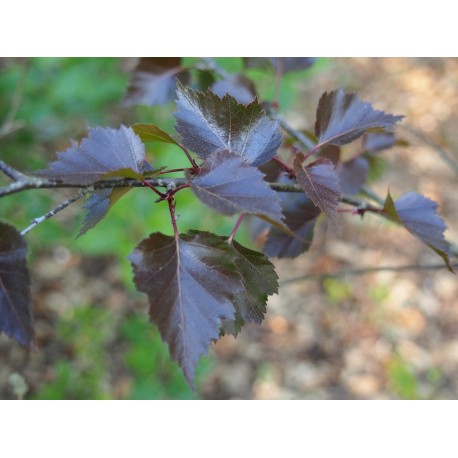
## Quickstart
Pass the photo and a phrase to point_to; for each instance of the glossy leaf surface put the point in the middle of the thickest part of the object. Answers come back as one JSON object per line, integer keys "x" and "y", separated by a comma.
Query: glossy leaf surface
{"x": 191, "y": 282}
{"x": 207, "y": 123}
{"x": 342, "y": 117}
{"x": 230, "y": 185}
{"x": 105, "y": 152}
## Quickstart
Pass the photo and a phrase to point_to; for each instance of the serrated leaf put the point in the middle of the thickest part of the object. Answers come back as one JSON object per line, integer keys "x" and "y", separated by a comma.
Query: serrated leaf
{"x": 229, "y": 185}
{"x": 97, "y": 206}
{"x": 152, "y": 133}
{"x": 259, "y": 280}
{"x": 190, "y": 282}
{"x": 238, "y": 86}
{"x": 320, "y": 183}
{"x": 15, "y": 297}
{"x": 418, "y": 214}
{"x": 300, "y": 216}
{"x": 342, "y": 117}
{"x": 353, "y": 174}
{"x": 105, "y": 152}
{"x": 100, "y": 201}
{"x": 283, "y": 64}
{"x": 153, "y": 81}
{"x": 207, "y": 124}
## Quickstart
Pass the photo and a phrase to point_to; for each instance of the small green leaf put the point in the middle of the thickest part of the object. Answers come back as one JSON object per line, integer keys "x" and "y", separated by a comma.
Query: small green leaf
{"x": 152, "y": 133}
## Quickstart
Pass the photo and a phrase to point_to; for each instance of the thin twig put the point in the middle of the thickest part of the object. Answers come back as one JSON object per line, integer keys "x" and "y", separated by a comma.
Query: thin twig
{"x": 54, "y": 211}
{"x": 363, "y": 271}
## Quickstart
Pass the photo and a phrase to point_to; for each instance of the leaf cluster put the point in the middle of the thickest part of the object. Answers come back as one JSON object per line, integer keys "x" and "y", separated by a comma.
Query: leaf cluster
{"x": 201, "y": 285}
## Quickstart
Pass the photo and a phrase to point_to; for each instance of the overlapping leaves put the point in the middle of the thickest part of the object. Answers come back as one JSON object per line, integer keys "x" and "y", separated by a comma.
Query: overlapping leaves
{"x": 300, "y": 216}
{"x": 320, "y": 183}
{"x": 207, "y": 123}
{"x": 15, "y": 297}
{"x": 418, "y": 214}
{"x": 195, "y": 284}
{"x": 230, "y": 185}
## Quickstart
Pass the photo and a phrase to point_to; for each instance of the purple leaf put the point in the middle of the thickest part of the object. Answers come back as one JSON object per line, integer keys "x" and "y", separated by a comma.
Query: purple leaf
{"x": 341, "y": 118}
{"x": 300, "y": 216}
{"x": 320, "y": 183}
{"x": 106, "y": 152}
{"x": 207, "y": 124}
{"x": 229, "y": 185}
{"x": 418, "y": 214}
{"x": 353, "y": 174}
{"x": 15, "y": 298}
{"x": 190, "y": 282}
{"x": 259, "y": 280}
{"x": 153, "y": 81}
{"x": 238, "y": 86}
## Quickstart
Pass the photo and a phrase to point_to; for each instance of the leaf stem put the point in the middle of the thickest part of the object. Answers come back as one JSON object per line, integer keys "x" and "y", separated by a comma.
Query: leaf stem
{"x": 171, "y": 202}
{"x": 194, "y": 166}
{"x": 173, "y": 170}
{"x": 285, "y": 166}
{"x": 159, "y": 193}
{"x": 236, "y": 227}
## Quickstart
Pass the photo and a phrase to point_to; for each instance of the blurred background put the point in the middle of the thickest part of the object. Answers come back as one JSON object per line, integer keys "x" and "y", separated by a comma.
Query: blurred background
{"x": 372, "y": 335}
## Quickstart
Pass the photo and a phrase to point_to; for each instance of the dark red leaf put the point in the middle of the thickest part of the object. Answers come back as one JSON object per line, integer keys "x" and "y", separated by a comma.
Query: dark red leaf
{"x": 153, "y": 81}
{"x": 353, "y": 174}
{"x": 283, "y": 64}
{"x": 341, "y": 118}
{"x": 15, "y": 298}
{"x": 418, "y": 214}
{"x": 102, "y": 200}
{"x": 106, "y": 152}
{"x": 320, "y": 183}
{"x": 207, "y": 124}
{"x": 300, "y": 216}
{"x": 229, "y": 185}
{"x": 190, "y": 282}
{"x": 259, "y": 280}
{"x": 238, "y": 86}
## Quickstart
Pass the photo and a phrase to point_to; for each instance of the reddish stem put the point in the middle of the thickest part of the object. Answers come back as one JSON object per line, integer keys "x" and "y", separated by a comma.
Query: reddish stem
{"x": 285, "y": 166}
{"x": 237, "y": 225}
{"x": 159, "y": 193}
{"x": 173, "y": 170}
{"x": 194, "y": 166}
{"x": 179, "y": 188}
